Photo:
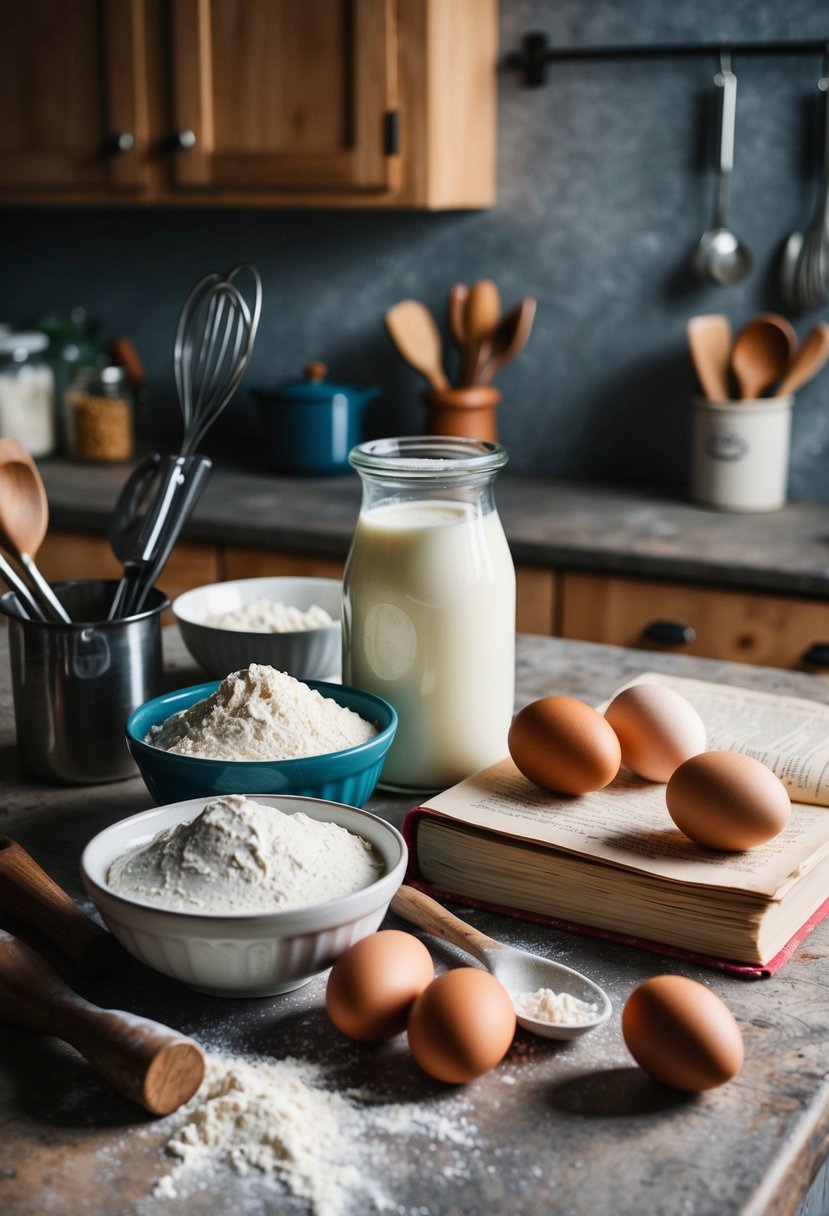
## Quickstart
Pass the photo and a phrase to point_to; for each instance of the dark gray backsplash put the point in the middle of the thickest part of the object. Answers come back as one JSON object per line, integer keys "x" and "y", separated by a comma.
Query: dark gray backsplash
{"x": 605, "y": 185}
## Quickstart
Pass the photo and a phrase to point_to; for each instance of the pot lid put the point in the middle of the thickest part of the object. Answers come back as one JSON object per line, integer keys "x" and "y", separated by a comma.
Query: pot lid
{"x": 312, "y": 386}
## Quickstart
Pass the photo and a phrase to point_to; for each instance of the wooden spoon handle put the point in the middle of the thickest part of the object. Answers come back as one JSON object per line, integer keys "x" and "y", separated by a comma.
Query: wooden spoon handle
{"x": 149, "y": 1063}
{"x": 425, "y": 912}
{"x": 27, "y": 891}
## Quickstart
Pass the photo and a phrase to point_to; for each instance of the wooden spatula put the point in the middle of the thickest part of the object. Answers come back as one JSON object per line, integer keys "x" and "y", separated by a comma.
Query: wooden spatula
{"x": 709, "y": 341}
{"x": 808, "y": 359}
{"x": 27, "y": 892}
{"x": 417, "y": 337}
{"x": 149, "y": 1063}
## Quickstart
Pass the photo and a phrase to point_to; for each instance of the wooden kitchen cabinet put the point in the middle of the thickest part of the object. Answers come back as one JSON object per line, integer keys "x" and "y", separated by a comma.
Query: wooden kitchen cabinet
{"x": 741, "y": 626}
{"x": 249, "y": 102}
{"x": 261, "y": 563}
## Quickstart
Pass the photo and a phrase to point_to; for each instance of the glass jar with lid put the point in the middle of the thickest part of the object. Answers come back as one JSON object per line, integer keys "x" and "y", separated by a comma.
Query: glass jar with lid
{"x": 429, "y": 605}
{"x": 100, "y": 415}
{"x": 27, "y": 392}
{"x": 73, "y": 343}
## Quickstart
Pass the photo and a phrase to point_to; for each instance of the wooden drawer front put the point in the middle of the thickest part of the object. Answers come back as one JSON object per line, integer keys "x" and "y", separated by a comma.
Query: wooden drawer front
{"x": 259, "y": 563}
{"x": 743, "y": 627}
{"x": 534, "y": 600}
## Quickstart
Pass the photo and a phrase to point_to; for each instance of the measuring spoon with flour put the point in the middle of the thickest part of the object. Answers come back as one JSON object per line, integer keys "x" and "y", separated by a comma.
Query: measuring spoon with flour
{"x": 518, "y": 970}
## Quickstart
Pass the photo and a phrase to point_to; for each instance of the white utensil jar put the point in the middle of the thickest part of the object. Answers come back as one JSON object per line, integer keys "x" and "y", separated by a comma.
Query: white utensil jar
{"x": 429, "y": 605}
{"x": 740, "y": 455}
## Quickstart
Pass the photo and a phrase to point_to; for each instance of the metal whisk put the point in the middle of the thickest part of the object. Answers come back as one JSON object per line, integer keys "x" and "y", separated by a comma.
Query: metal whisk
{"x": 214, "y": 342}
{"x": 213, "y": 345}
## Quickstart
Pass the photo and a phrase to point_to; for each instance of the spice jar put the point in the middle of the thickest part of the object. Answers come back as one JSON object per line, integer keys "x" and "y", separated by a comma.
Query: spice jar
{"x": 100, "y": 415}
{"x": 429, "y": 605}
{"x": 27, "y": 392}
{"x": 73, "y": 343}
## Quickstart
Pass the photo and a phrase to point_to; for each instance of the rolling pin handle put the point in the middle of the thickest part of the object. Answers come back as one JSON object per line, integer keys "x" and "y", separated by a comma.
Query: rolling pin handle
{"x": 27, "y": 892}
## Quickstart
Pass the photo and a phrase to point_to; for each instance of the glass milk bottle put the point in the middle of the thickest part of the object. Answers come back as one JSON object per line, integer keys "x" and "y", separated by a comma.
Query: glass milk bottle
{"x": 429, "y": 605}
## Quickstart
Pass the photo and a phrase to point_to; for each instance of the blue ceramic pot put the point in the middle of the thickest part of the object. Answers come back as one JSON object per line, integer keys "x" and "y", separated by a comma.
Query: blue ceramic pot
{"x": 312, "y": 424}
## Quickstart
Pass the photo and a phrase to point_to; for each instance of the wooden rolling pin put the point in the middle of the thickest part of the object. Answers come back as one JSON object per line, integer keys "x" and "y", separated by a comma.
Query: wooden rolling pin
{"x": 27, "y": 891}
{"x": 149, "y": 1063}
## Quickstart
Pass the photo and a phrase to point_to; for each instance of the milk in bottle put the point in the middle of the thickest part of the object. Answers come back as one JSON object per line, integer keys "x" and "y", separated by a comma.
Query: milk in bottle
{"x": 429, "y": 606}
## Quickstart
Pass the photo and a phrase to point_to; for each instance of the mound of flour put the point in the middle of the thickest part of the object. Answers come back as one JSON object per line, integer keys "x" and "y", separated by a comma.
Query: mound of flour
{"x": 260, "y": 713}
{"x": 240, "y": 856}
{"x": 282, "y": 1120}
{"x": 267, "y": 616}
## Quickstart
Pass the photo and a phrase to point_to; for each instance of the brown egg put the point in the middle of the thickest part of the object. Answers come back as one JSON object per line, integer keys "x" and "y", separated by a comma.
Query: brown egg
{"x": 563, "y": 744}
{"x": 373, "y": 985}
{"x": 726, "y": 800}
{"x": 657, "y": 728}
{"x": 461, "y": 1025}
{"x": 681, "y": 1033}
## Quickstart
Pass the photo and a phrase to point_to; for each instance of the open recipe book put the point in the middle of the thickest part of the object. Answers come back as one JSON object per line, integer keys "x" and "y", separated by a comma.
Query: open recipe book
{"x": 611, "y": 863}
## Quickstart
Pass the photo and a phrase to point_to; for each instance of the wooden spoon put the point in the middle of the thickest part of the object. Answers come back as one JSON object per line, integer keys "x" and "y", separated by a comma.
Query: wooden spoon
{"x": 709, "y": 341}
{"x": 24, "y": 518}
{"x": 762, "y": 353}
{"x": 808, "y": 359}
{"x": 518, "y": 970}
{"x": 149, "y": 1063}
{"x": 455, "y": 306}
{"x": 509, "y": 338}
{"x": 417, "y": 337}
{"x": 27, "y": 892}
{"x": 481, "y": 314}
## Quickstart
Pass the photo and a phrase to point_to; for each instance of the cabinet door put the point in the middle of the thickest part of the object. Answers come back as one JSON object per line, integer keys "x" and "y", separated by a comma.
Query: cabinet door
{"x": 73, "y": 96}
{"x": 283, "y": 94}
{"x": 744, "y": 627}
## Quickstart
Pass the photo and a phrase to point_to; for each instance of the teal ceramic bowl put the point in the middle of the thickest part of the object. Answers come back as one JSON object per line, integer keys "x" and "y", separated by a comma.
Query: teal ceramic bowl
{"x": 347, "y": 776}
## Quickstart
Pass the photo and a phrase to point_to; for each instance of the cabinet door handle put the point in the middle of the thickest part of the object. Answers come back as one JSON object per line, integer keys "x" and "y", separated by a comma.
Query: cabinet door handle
{"x": 817, "y": 655}
{"x": 119, "y": 142}
{"x": 669, "y": 633}
{"x": 182, "y": 141}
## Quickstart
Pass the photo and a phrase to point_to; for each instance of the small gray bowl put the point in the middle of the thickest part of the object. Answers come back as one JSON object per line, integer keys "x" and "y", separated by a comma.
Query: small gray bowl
{"x": 306, "y": 654}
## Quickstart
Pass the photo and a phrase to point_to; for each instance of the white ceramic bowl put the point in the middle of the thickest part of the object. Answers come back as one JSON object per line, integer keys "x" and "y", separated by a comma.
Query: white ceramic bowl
{"x": 243, "y": 954}
{"x": 306, "y": 654}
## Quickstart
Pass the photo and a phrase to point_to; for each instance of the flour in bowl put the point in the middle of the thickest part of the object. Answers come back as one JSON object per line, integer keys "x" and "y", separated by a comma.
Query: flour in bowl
{"x": 266, "y": 616}
{"x": 260, "y": 713}
{"x": 240, "y": 856}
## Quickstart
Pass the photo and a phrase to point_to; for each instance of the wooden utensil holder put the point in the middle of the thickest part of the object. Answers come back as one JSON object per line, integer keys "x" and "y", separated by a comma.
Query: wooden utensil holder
{"x": 468, "y": 411}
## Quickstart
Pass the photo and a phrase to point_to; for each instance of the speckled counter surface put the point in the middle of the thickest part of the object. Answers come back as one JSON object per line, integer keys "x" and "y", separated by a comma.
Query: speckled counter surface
{"x": 569, "y": 1129}
{"x": 579, "y": 526}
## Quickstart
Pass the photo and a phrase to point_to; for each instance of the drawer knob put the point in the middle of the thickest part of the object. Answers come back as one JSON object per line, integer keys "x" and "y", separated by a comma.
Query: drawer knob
{"x": 182, "y": 141}
{"x": 669, "y": 633}
{"x": 119, "y": 142}
{"x": 817, "y": 655}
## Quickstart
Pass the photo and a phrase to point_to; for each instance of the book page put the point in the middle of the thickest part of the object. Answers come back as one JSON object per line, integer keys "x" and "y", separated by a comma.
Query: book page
{"x": 788, "y": 734}
{"x": 627, "y": 824}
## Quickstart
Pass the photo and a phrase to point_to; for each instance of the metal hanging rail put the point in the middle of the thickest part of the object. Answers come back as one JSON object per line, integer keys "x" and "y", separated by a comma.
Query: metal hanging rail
{"x": 537, "y": 52}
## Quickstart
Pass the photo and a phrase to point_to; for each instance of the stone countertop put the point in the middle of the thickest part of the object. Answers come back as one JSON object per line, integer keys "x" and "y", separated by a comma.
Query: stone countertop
{"x": 606, "y": 529}
{"x": 559, "y": 1127}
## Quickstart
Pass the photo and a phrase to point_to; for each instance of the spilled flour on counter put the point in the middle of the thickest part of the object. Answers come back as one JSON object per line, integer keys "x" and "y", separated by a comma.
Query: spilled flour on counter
{"x": 277, "y": 1118}
{"x": 240, "y": 856}
{"x": 260, "y": 713}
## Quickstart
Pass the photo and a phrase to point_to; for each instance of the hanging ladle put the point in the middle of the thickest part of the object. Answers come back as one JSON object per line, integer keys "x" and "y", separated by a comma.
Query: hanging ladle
{"x": 24, "y": 520}
{"x": 720, "y": 257}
